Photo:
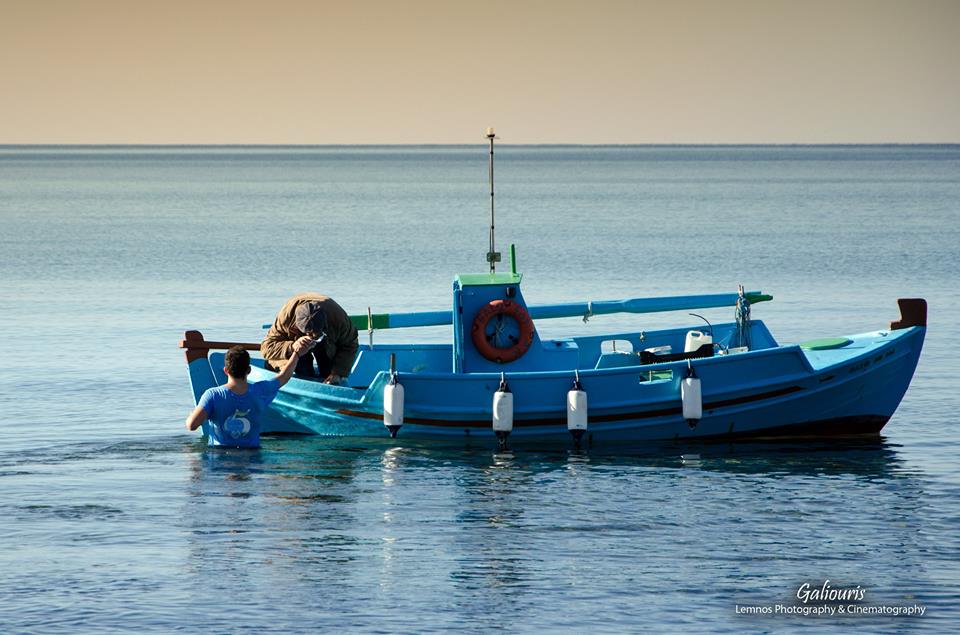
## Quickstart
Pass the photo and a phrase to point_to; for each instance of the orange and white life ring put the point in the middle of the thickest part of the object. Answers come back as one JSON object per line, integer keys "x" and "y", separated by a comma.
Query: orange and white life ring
{"x": 520, "y": 343}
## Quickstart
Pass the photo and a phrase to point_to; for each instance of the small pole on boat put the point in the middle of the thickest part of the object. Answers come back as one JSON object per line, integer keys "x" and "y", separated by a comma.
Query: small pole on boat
{"x": 370, "y": 325}
{"x": 492, "y": 256}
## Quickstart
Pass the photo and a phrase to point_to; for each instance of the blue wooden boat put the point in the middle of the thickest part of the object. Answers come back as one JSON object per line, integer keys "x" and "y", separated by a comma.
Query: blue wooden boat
{"x": 497, "y": 376}
{"x": 750, "y": 386}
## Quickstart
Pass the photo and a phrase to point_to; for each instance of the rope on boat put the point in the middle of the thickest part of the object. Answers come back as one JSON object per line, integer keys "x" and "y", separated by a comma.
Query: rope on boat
{"x": 743, "y": 318}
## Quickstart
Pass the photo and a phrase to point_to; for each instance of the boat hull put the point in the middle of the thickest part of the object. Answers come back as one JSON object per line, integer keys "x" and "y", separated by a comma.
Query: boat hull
{"x": 782, "y": 392}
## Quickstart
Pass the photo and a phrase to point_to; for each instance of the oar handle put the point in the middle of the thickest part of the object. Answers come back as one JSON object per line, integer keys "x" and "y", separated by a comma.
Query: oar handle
{"x": 197, "y": 347}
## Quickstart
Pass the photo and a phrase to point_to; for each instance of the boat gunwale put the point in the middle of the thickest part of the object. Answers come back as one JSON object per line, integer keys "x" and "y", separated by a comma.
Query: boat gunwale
{"x": 314, "y": 389}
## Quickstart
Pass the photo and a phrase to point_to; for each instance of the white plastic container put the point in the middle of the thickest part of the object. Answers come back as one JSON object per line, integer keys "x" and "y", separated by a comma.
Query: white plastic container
{"x": 576, "y": 410}
{"x": 502, "y": 411}
{"x": 696, "y": 339}
{"x": 691, "y": 398}
{"x": 393, "y": 406}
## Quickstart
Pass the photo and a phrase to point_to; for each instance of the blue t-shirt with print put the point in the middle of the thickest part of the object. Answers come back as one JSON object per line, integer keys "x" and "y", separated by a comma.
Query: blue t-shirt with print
{"x": 235, "y": 419}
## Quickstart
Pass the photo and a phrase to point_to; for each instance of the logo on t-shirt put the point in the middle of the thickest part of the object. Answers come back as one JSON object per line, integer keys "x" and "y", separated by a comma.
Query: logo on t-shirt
{"x": 237, "y": 425}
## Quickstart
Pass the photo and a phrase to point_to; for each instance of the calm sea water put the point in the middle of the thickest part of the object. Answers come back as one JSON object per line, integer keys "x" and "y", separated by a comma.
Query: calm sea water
{"x": 116, "y": 520}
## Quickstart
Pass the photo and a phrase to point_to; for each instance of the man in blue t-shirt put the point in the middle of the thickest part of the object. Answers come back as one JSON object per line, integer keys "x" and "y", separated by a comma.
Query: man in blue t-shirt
{"x": 235, "y": 408}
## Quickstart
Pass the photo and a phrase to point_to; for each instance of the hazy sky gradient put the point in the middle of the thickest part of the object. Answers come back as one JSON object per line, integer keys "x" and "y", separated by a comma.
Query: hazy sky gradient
{"x": 603, "y": 71}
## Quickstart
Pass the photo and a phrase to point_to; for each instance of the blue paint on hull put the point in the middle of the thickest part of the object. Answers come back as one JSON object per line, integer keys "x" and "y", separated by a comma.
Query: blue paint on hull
{"x": 771, "y": 392}
{"x": 757, "y": 388}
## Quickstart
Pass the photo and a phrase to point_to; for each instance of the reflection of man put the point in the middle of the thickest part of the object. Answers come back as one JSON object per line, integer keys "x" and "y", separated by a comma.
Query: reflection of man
{"x": 319, "y": 318}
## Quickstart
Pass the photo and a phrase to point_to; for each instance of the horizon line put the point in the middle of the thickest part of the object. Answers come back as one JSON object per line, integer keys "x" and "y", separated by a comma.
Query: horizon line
{"x": 468, "y": 144}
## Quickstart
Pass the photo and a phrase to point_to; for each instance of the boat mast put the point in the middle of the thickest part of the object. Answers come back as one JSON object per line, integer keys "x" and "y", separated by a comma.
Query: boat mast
{"x": 493, "y": 257}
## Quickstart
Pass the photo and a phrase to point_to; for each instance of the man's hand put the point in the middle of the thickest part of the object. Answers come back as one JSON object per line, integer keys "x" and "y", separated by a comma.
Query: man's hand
{"x": 300, "y": 348}
{"x": 303, "y": 345}
{"x": 333, "y": 379}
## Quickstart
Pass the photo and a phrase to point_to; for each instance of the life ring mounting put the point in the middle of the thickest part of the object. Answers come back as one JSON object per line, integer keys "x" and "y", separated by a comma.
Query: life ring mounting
{"x": 493, "y": 335}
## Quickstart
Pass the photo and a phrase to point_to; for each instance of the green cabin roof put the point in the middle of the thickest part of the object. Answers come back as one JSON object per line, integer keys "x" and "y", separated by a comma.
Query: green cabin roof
{"x": 478, "y": 279}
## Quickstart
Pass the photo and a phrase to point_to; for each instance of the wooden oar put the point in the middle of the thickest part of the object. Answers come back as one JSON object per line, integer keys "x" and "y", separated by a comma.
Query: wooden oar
{"x": 573, "y": 309}
{"x": 197, "y": 347}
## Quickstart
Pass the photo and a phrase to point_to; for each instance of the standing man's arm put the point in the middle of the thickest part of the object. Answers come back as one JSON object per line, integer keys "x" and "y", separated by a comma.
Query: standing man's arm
{"x": 196, "y": 418}
{"x": 299, "y": 348}
{"x": 200, "y": 414}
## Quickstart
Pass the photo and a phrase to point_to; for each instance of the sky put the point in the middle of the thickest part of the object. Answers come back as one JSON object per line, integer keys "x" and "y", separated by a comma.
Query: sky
{"x": 430, "y": 71}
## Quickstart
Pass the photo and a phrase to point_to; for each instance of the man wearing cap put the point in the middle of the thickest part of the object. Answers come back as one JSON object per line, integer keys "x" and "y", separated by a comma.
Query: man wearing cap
{"x": 320, "y": 318}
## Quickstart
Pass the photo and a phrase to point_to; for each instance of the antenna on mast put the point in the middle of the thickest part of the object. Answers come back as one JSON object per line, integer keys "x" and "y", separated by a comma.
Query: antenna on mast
{"x": 493, "y": 256}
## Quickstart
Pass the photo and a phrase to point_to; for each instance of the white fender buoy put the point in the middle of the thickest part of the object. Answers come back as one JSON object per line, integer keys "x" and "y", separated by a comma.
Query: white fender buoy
{"x": 393, "y": 406}
{"x": 691, "y": 397}
{"x": 577, "y": 409}
{"x": 503, "y": 411}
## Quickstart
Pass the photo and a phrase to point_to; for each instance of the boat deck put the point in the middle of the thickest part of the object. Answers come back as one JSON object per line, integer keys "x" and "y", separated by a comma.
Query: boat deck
{"x": 581, "y": 353}
{"x": 822, "y": 354}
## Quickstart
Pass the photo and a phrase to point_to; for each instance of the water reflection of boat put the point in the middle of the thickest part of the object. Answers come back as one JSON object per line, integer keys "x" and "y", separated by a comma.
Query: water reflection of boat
{"x": 869, "y": 457}
{"x": 318, "y": 463}
{"x": 473, "y": 529}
